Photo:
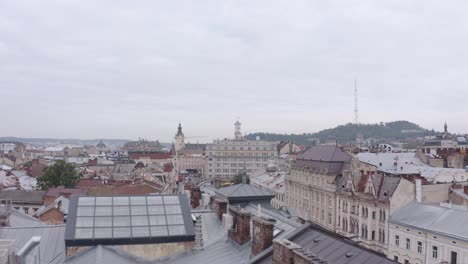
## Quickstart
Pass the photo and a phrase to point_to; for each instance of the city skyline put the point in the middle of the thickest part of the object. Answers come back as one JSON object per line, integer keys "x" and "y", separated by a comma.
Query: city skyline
{"x": 72, "y": 70}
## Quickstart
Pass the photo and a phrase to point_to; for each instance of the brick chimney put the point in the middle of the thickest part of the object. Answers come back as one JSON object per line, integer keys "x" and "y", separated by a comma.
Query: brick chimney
{"x": 465, "y": 189}
{"x": 262, "y": 234}
{"x": 287, "y": 252}
{"x": 196, "y": 195}
{"x": 221, "y": 208}
{"x": 240, "y": 232}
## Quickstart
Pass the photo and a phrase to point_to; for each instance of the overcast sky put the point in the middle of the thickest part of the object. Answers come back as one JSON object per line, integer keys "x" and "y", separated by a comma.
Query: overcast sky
{"x": 129, "y": 69}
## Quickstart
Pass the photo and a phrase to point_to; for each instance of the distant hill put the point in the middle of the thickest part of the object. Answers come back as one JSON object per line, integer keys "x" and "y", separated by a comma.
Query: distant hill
{"x": 48, "y": 141}
{"x": 397, "y": 130}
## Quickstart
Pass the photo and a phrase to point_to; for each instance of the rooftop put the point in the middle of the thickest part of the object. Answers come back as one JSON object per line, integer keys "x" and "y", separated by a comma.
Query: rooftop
{"x": 122, "y": 220}
{"x": 433, "y": 218}
{"x": 243, "y": 192}
{"x": 19, "y": 196}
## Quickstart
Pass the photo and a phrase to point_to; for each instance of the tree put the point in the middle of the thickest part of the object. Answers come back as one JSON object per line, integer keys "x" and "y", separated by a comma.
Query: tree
{"x": 239, "y": 178}
{"x": 59, "y": 174}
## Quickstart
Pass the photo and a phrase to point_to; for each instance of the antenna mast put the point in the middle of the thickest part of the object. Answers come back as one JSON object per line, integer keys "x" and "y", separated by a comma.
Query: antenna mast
{"x": 356, "y": 116}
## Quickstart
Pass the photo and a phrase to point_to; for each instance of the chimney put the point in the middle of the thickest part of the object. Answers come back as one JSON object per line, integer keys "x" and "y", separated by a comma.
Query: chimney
{"x": 287, "y": 252}
{"x": 30, "y": 253}
{"x": 221, "y": 208}
{"x": 465, "y": 190}
{"x": 240, "y": 233}
{"x": 418, "y": 191}
{"x": 262, "y": 234}
{"x": 196, "y": 195}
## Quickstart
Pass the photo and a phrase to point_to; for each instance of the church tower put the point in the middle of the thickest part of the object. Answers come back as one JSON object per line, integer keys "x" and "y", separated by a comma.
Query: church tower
{"x": 237, "y": 131}
{"x": 179, "y": 139}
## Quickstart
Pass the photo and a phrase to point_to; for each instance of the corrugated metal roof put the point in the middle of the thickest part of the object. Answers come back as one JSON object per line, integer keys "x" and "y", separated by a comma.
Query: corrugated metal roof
{"x": 52, "y": 243}
{"x": 433, "y": 218}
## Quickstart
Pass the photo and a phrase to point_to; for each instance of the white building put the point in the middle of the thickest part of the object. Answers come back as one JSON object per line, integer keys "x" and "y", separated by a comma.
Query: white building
{"x": 272, "y": 181}
{"x": 429, "y": 234}
{"x": 229, "y": 157}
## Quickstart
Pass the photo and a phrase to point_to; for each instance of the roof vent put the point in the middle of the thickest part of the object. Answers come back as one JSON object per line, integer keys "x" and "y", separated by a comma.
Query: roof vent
{"x": 316, "y": 240}
{"x": 348, "y": 255}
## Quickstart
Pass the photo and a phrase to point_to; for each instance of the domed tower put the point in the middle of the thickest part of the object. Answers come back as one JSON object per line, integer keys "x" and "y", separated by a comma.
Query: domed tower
{"x": 237, "y": 131}
{"x": 179, "y": 139}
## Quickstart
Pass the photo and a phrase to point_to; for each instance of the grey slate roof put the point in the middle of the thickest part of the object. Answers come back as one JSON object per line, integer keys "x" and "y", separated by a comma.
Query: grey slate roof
{"x": 104, "y": 255}
{"x": 52, "y": 245}
{"x": 18, "y": 196}
{"x": 325, "y": 153}
{"x": 385, "y": 186}
{"x": 433, "y": 218}
{"x": 331, "y": 248}
{"x": 243, "y": 191}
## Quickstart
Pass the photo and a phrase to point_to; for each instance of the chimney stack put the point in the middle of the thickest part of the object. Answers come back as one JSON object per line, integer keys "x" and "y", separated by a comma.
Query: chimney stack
{"x": 240, "y": 232}
{"x": 196, "y": 195}
{"x": 465, "y": 190}
{"x": 287, "y": 252}
{"x": 30, "y": 253}
{"x": 418, "y": 190}
{"x": 262, "y": 234}
{"x": 221, "y": 208}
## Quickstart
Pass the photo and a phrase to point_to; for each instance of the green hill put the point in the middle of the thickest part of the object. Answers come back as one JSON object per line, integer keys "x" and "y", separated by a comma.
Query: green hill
{"x": 397, "y": 130}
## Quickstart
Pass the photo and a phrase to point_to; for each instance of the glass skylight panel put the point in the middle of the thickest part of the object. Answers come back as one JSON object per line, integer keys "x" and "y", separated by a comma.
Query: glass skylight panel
{"x": 140, "y": 231}
{"x": 103, "y": 211}
{"x": 104, "y": 201}
{"x": 175, "y": 219}
{"x": 171, "y": 199}
{"x": 157, "y": 220}
{"x": 121, "y": 220}
{"x": 86, "y": 201}
{"x": 139, "y": 210}
{"x": 154, "y": 200}
{"x": 84, "y": 222}
{"x": 156, "y": 210}
{"x": 140, "y": 220}
{"x": 122, "y": 232}
{"x": 103, "y": 221}
{"x": 158, "y": 231}
{"x": 121, "y": 201}
{"x": 175, "y": 230}
{"x": 84, "y": 233}
{"x": 138, "y": 200}
{"x": 102, "y": 232}
{"x": 85, "y": 211}
{"x": 121, "y": 210}
{"x": 173, "y": 209}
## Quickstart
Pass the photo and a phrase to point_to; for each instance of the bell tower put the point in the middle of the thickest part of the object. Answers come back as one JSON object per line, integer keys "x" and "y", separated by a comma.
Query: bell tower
{"x": 179, "y": 139}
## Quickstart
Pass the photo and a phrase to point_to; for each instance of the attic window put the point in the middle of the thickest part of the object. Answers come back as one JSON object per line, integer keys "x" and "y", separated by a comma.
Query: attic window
{"x": 385, "y": 193}
{"x": 380, "y": 164}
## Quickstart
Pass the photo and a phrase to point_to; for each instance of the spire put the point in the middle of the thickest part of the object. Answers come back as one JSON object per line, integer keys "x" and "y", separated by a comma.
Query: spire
{"x": 445, "y": 127}
{"x": 179, "y": 131}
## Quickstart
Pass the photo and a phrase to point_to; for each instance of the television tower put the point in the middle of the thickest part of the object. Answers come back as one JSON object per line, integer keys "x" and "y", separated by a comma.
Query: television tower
{"x": 356, "y": 114}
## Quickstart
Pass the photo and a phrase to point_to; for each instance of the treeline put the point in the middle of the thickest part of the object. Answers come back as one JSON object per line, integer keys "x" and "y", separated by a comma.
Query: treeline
{"x": 397, "y": 130}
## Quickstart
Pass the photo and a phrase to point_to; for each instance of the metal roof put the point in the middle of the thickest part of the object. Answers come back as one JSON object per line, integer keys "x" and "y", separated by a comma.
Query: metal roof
{"x": 432, "y": 218}
{"x": 123, "y": 220}
{"x": 329, "y": 247}
{"x": 325, "y": 153}
{"x": 52, "y": 246}
{"x": 19, "y": 219}
{"x": 243, "y": 192}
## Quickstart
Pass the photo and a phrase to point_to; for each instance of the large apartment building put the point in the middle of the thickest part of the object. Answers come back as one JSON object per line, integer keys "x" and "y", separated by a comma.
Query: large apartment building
{"x": 229, "y": 157}
{"x": 311, "y": 186}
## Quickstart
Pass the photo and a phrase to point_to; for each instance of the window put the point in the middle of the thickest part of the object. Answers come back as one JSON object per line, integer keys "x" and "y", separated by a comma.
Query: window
{"x": 408, "y": 244}
{"x": 434, "y": 252}
{"x": 373, "y": 215}
{"x": 395, "y": 258}
{"x": 397, "y": 240}
{"x": 453, "y": 257}
{"x": 373, "y": 235}
{"x": 407, "y": 261}
{"x": 419, "y": 247}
